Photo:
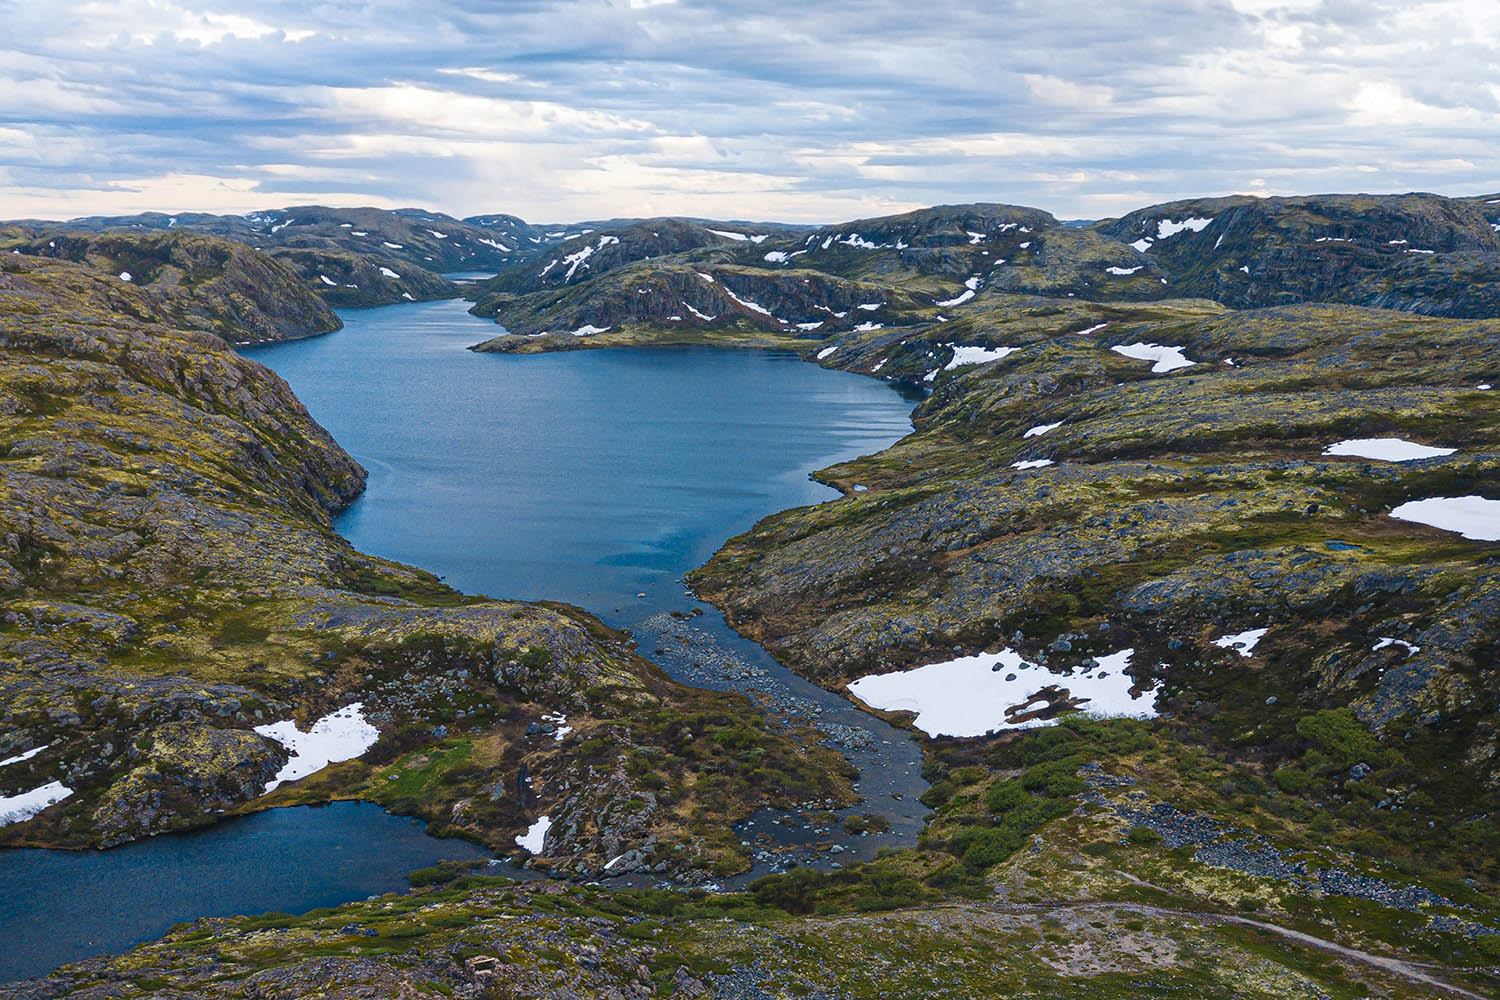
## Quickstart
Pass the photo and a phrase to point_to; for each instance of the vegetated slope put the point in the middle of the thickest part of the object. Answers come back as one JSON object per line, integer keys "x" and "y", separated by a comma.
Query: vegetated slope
{"x": 172, "y": 581}
{"x": 199, "y": 281}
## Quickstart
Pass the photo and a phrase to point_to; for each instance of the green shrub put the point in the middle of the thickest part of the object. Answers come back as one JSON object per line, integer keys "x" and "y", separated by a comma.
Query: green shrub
{"x": 1056, "y": 779}
{"x": 1339, "y": 734}
{"x": 1292, "y": 779}
{"x": 1006, "y": 795}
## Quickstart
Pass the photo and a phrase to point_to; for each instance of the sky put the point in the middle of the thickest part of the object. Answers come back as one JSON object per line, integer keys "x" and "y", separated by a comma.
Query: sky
{"x": 813, "y": 111}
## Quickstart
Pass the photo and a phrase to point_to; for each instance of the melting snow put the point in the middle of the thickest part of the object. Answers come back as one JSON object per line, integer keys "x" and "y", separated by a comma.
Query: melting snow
{"x": 974, "y": 695}
{"x": 535, "y": 837}
{"x": 1473, "y": 517}
{"x": 326, "y": 280}
{"x": 1041, "y": 429}
{"x": 358, "y": 233}
{"x": 1092, "y": 329}
{"x": 441, "y": 236}
{"x": 125, "y": 276}
{"x": 24, "y": 805}
{"x": 825, "y": 352}
{"x": 867, "y": 327}
{"x": 1167, "y": 228}
{"x": 588, "y": 330}
{"x": 728, "y": 235}
{"x": 1386, "y": 449}
{"x": 810, "y": 326}
{"x": 1243, "y": 642}
{"x": 971, "y": 285}
{"x": 1168, "y": 359}
{"x": 408, "y": 296}
{"x": 1141, "y": 246}
{"x": 24, "y": 756}
{"x": 1033, "y": 463}
{"x": 977, "y": 355}
{"x": 1124, "y": 270}
{"x": 389, "y": 273}
{"x": 1384, "y": 642}
{"x": 870, "y": 306}
{"x": 393, "y": 246}
{"x": 338, "y": 736}
{"x": 705, "y": 317}
{"x": 752, "y": 306}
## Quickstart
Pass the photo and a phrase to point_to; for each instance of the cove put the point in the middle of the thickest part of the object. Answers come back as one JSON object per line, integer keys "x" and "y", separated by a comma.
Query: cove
{"x": 60, "y": 906}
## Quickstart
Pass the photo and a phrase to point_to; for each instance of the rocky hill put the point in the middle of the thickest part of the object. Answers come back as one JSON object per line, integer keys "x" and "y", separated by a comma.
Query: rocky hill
{"x": 1392, "y": 251}
{"x": 417, "y": 238}
{"x": 199, "y": 281}
{"x": 173, "y": 587}
{"x": 351, "y": 280}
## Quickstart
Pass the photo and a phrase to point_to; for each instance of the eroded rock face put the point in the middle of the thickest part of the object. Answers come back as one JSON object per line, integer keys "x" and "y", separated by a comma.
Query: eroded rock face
{"x": 186, "y": 770}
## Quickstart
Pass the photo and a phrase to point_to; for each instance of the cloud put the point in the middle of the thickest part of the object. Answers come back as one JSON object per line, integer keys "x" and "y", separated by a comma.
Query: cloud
{"x": 568, "y": 109}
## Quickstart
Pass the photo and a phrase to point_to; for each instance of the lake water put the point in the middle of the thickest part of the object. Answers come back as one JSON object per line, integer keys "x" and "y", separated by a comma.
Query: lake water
{"x": 590, "y": 477}
{"x": 60, "y": 906}
{"x": 586, "y": 477}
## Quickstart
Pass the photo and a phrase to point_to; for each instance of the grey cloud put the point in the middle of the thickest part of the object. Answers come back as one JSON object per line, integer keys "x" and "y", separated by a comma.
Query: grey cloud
{"x": 804, "y": 108}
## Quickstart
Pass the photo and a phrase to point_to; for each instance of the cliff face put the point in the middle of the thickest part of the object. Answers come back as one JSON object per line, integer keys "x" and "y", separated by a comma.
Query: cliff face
{"x": 199, "y": 281}
{"x": 172, "y": 583}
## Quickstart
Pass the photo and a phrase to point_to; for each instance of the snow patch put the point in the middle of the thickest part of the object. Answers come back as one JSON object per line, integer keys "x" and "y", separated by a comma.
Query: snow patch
{"x": 393, "y": 246}
{"x": 752, "y": 306}
{"x": 327, "y": 280}
{"x": 1166, "y": 228}
{"x": 1473, "y": 517}
{"x": 705, "y": 317}
{"x": 535, "y": 837}
{"x": 24, "y": 756}
{"x": 971, "y": 285}
{"x": 338, "y": 736}
{"x": 1386, "y": 449}
{"x": 389, "y": 273}
{"x": 22, "y": 806}
{"x": 1123, "y": 271}
{"x": 1384, "y": 642}
{"x": 1041, "y": 429}
{"x": 1168, "y": 359}
{"x": 975, "y": 695}
{"x": 977, "y": 355}
{"x": 1242, "y": 642}
{"x": 1032, "y": 463}
{"x": 588, "y": 330}
{"x": 125, "y": 276}
{"x": 825, "y": 352}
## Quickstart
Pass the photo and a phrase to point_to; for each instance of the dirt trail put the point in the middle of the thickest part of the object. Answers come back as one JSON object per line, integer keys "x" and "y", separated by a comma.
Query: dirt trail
{"x": 1396, "y": 966}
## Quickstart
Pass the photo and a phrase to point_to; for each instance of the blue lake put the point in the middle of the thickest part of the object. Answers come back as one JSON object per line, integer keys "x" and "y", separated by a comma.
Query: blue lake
{"x": 60, "y": 906}
{"x": 586, "y": 477}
